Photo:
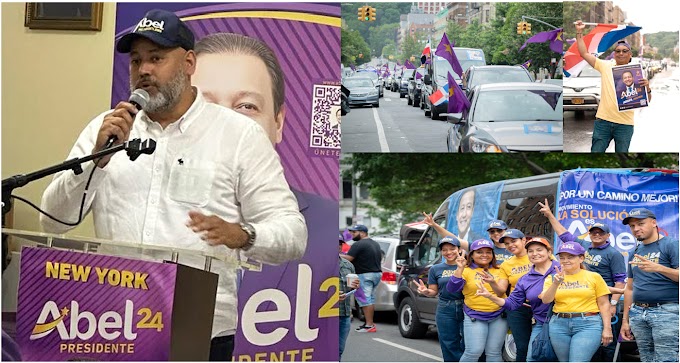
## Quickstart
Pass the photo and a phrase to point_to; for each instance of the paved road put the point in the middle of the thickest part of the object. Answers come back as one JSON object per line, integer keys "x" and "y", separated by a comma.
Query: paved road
{"x": 393, "y": 127}
{"x": 653, "y": 124}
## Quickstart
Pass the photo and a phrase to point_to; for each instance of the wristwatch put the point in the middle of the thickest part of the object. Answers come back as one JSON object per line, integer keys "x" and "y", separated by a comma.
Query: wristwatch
{"x": 250, "y": 231}
{"x": 614, "y": 302}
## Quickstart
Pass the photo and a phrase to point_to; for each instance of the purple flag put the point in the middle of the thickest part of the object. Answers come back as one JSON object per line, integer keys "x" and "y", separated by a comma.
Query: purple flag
{"x": 418, "y": 76}
{"x": 445, "y": 50}
{"x": 457, "y": 99}
{"x": 527, "y": 64}
{"x": 360, "y": 296}
{"x": 554, "y": 36}
{"x": 352, "y": 67}
{"x": 409, "y": 65}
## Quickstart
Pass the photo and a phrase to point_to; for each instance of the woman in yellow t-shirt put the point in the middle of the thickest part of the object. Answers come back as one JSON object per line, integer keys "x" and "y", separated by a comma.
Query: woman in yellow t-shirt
{"x": 581, "y": 311}
{"x": 483, "y": 326}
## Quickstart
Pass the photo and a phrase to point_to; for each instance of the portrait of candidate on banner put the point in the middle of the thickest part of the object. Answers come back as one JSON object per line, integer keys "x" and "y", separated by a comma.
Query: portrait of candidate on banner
{"x": 629, "y": 94}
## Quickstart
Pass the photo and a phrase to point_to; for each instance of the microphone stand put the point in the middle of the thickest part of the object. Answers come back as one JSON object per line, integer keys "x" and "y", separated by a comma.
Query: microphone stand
{"x": 133, "y": 147}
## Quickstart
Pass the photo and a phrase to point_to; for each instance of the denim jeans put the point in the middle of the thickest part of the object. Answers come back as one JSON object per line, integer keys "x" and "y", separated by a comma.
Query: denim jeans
{"x": 519, "y": 322}
{"x": 449, "y": 320}
{"x": 575, "y": 339}
{"x": 605, "y": 353}
{"x": 656, "y": 332}
{"x": 484, "y": 336}
{"x": 344, "y": 332}
{"x": 369, "y": 281}
{"x": 603, "y": 133}
{"x": 534, "y": 333}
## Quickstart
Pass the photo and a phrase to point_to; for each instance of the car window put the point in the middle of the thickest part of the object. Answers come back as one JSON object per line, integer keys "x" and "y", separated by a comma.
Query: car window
{"x": 527, "y": 105}
{"x": 499, "y": 75}
{"x": 358, "y": 82}
{"x": 369, "y": 74}
{"x": 428, "y": 252}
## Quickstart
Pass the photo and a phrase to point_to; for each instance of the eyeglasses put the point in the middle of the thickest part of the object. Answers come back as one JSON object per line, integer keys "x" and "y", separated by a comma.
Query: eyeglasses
{"x": 598, "y": 232}
{"x": 624, "y": 51}
{"x": 496, "y": 231}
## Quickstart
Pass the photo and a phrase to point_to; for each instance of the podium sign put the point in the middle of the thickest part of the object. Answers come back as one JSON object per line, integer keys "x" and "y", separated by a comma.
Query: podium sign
{"x": 80, "y": 306}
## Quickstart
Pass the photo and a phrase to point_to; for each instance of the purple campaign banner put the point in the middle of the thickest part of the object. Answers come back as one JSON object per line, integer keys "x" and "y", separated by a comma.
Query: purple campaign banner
{"x": 588, "y": 196}
{"x": 79, "y": 306}
{"x": 287, "y": 312}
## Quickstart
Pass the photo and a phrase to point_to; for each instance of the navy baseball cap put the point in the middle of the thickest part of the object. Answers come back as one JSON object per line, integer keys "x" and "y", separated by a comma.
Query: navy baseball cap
{"x": 480, "y": 243}
{"x": 161, "y": 27}
{"x": 601, "y": 226}
{"x": 449, "y": 239}
{"x": 571, "y": 248}
{"x": 639, "y": 213}
{"x": 358, "y": 227}
{"x": 497, "y": 223}
{"x": 512, "y": 233}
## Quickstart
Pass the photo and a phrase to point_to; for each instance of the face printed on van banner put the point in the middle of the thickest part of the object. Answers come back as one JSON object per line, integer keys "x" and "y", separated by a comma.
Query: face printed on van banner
{"x": 594, "y": 196}
{"x": 471, "y": 209}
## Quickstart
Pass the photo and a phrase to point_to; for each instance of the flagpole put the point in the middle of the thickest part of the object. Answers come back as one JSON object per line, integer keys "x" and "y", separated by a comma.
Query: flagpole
{"x": 595, "y": 24}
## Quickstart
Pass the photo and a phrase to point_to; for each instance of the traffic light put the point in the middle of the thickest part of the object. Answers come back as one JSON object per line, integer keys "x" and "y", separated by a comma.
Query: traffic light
{"x": 361, "y": 13}
{"x": 527, "y": 28}
{"x": 519, "y": 27}
{"x": 371, "y": 13}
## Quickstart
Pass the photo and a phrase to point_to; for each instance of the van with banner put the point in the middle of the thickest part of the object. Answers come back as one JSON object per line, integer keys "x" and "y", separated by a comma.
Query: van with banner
{"x": 579, "y": 198}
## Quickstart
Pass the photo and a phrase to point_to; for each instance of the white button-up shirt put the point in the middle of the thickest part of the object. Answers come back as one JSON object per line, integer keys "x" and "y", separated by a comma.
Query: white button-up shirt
{"x": 213, "y": 160}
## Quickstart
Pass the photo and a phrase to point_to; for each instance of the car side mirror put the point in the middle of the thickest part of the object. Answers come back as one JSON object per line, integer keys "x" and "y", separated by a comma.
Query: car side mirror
{"x": 455, "y": 118}
{"x": 402, "y": 255}
{"x": 427, "y": 80}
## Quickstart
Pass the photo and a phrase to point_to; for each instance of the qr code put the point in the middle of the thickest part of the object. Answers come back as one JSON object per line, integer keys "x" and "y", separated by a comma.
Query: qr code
{"x": 325, "y": 130}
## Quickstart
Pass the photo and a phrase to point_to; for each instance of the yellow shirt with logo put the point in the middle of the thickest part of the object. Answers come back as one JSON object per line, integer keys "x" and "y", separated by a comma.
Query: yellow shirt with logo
{"x": 479, "y": 303}
{"x": 578, "y": 293}
{"x": 513, "y": 268}
{"x": 608, "y": 108}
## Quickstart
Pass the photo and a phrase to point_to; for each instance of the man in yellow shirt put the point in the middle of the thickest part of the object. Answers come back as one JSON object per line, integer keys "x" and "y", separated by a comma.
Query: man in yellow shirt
{"x": 609, "y": 122}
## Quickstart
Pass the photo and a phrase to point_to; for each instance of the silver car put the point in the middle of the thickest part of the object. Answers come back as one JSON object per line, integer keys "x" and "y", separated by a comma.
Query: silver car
{"x": 390, "y": 272}
{"x": 362, "y": 91}
{"x": 582, "y": 93}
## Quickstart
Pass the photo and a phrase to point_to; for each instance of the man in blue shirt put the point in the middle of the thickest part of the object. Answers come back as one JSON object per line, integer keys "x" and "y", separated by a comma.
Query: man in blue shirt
{"x": 650, "y": 309}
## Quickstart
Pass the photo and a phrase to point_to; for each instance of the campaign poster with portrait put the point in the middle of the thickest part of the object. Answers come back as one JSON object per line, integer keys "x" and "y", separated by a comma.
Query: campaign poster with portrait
{"x": 629, "y": 93}
{"x": 471, "y": 209}
{"x": 287, "y": 312}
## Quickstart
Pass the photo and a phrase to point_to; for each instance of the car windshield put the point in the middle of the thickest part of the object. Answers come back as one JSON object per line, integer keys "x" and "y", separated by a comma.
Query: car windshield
{"x": 358, "y": 82}
{"x": 498, "y": 75}
{"x": 369, "y": 74}
{"x": 408, "y": 73}
{"x": 443, "y": 66}
{"x": 518, "y": 105}
{"x": 589, "y": 71}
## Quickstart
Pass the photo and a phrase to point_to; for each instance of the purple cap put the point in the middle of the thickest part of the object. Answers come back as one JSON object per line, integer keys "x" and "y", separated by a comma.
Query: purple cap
{"x": 480, "y": 243}
{"x": 624, "y": 43}
{"x": 571, "y": 248}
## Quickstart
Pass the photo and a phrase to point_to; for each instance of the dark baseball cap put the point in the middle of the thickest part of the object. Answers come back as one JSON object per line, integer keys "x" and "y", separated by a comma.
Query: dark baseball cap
{"x": 639, "y": 213}
{"x": 161, "y": 27}
{"x": 449, "y": 239}
{"x": 602, "y": 226}
{"x": 497, "y": 223}
{"x": 358, "y": 227}
{"x": 512, "y": 233}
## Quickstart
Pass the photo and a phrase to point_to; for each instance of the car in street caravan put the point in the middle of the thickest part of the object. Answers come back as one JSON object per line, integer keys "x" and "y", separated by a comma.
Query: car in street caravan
{"x": 514, "y": 201}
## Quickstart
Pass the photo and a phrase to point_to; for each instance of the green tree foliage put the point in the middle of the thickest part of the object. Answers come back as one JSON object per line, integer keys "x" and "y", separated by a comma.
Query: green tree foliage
{"x": 404, "y": 185}
{"x": 665, "y": 42}
{"x": 382, "y": 35}
{"x": 351, "y": 45}
{"x": 575, "y": 10}
{"x": 410, "y": 47}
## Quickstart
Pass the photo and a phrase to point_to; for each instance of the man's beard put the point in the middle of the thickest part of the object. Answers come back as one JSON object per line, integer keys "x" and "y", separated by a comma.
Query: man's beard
{"x": 168, "y": 95}
{"x": 356, "y": 238}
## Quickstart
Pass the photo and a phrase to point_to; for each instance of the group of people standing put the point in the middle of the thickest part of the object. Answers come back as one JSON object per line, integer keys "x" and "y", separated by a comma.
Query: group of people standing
{"x": 514, "y": 281}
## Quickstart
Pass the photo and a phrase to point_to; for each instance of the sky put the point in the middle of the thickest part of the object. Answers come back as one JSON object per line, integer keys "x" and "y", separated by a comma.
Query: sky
{"x": 652, "y": 15}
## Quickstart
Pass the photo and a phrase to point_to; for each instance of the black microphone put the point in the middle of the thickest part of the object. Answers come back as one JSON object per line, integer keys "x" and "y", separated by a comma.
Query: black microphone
{"x": 139, "y": 98}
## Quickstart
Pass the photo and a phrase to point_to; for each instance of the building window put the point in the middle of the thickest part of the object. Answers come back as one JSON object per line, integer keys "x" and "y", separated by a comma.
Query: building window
{"x": 348, "y": 221}
{"x": 346, "y": 189}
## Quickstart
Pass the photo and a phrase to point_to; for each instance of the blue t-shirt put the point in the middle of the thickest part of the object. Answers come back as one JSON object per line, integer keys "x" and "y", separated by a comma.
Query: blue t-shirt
{"x": 653, "y": 287}
{"x": 501, "y": 254}
{"x": 605, "y": 260}
{"x": 440, "y": 274}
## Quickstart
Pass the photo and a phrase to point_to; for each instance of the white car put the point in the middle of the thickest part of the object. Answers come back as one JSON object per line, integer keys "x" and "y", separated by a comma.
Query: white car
{"x": 582, "y": 92}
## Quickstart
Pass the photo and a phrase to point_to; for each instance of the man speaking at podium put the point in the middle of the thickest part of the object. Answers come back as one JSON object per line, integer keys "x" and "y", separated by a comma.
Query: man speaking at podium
{"x": 214, "y": 182}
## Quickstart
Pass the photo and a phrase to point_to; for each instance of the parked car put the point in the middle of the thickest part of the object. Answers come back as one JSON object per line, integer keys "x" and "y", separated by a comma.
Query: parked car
{"x": 406, "y": 77}
{"x": 362, "y": 91}
{"x": 477, "y": 75}
{"x": 388, "y": 283}
{"x": 415, "y": 88}
{"x": 436, "y": 76}
{"x": 374, "y": 77}
{"x": 555, "y": 81}
{"x": 582, "y": 92}
{"x": 509, "y": 117}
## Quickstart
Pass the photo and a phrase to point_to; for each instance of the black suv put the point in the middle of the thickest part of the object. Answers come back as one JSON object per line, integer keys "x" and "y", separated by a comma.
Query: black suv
{"x": 415, "y": 88}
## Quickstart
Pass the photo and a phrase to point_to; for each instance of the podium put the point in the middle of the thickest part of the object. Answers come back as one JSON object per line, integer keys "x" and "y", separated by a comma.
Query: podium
{"x": 73, "y": 298}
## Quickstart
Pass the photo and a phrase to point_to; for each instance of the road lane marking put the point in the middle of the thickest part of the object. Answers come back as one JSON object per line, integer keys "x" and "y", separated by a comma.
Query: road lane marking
{"x": 381, "y": 132}
{"x": 433, "y": 357}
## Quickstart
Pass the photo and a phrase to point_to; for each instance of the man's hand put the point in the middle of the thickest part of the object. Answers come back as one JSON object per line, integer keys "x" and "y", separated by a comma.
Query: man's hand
{"x": 217, "y": 231}
{"x": 118, "y": 123}
{"x": 645, "y": 264}
{"x": 545, "y": 208}
{"x": 579, "y": 26}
